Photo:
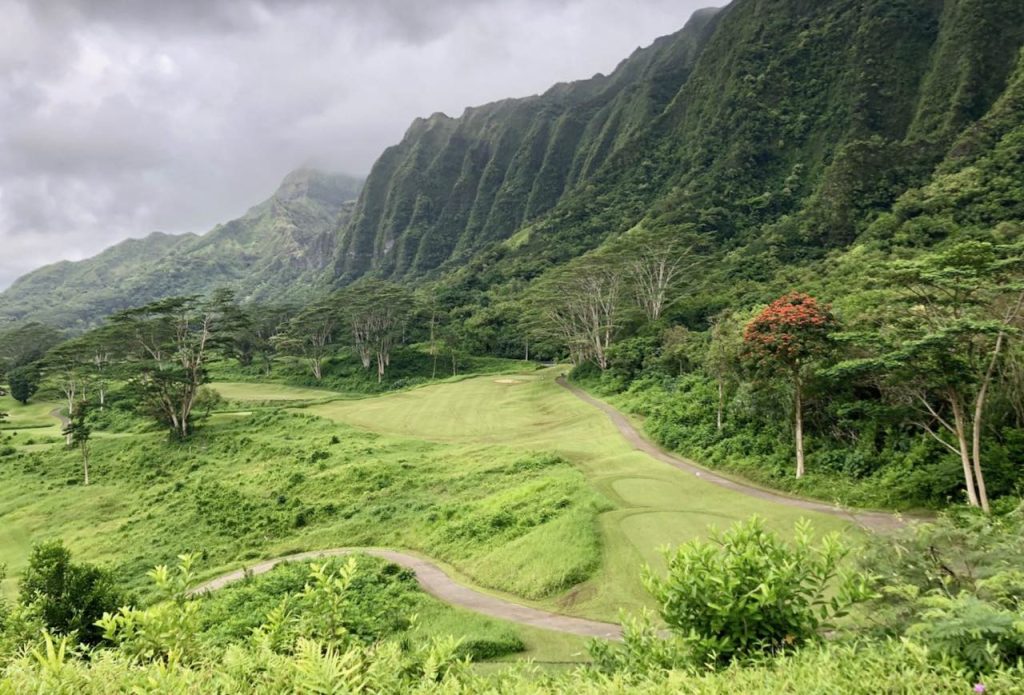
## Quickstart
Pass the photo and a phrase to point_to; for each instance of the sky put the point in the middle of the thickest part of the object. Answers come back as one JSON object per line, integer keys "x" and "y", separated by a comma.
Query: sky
{"x": 123, "y": 117}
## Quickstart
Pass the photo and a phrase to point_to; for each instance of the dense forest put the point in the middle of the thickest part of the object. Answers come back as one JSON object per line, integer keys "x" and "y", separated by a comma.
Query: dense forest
{"x": 786, "y": 240}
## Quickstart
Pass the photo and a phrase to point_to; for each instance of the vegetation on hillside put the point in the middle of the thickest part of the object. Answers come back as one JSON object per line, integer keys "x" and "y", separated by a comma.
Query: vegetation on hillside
{"x": 792, "y": 232}
{"x": 277, "y": 251}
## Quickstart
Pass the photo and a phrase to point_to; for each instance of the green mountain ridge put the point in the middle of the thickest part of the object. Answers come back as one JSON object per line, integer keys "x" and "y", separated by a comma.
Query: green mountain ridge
{"x": 800, "y": 124}
{"x": 455, "y": 184}
{"x": 277, "y": 251}
{"x": 784, "y": 129}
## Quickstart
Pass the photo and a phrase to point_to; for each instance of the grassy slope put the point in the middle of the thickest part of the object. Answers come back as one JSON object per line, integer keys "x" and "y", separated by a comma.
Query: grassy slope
{"x": 450, "y": 470}
{"x": 654, "y": 505}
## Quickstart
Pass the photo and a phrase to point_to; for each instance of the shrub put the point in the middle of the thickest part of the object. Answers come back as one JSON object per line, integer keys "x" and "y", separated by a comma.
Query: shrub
{"x": 976, "y": 634}
{"x": 747, "y": 591}
{"x": 69, "y": 598}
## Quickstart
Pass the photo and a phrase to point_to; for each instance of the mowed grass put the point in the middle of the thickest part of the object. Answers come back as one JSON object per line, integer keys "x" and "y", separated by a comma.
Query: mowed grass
{"x": 28, "y": 425}
{"x": 268, "y": 393}
{"x": 509, "y": 481}
{"x": 653, "y": 504}
{"x": 261, "y": 485}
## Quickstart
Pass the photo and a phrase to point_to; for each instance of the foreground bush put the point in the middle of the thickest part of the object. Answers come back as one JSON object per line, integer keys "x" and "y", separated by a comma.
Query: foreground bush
{"x": 893, "y": 667}
{"x": 68, "y": 597}
{"x": 956, "y": 585}
{"x": 747, "y": 591}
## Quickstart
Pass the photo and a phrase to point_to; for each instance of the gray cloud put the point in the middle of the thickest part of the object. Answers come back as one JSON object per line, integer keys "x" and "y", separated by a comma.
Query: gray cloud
{"x": 120, "y": 117}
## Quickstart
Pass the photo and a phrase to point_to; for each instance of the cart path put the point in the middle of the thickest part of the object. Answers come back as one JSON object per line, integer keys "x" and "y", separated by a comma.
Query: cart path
{"x": 873, "y": 521}
{"x": 438, "y": 584}
{"x": 59, "y": 414}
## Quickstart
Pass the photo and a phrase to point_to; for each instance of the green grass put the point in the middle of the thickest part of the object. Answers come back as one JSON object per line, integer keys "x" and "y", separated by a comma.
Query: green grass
{"x": 28, "y": 425}
{"x": 653, "y": 505}
{"x": 269, "y": 393}
{"x": 509, "y": 481}
{"x": 383, "y": 601}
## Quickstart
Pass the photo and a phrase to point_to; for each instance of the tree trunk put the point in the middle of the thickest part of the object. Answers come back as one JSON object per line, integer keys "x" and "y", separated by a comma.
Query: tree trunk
{"x": 317, "y": 374}
{"x": 721, "y": 404}
{"x": 979, "y": 411}
{"x": 965, "y": 456}
{"x": 799, "y": 428}
{"x": 85, "y": 462}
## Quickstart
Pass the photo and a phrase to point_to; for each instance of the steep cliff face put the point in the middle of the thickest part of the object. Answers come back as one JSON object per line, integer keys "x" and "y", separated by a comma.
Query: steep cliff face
{"x": 784, "y": 124}
{"x": 455, "y": 184}
{"x": 279, "y": 250}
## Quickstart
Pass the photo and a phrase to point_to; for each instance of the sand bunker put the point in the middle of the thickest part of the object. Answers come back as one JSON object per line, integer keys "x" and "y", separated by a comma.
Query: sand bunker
{"x": 507, "y": 381}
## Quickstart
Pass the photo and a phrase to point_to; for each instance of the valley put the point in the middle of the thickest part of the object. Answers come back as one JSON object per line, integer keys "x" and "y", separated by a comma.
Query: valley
{"x": 702, "y": 374}
{"x": 611, "y": 507}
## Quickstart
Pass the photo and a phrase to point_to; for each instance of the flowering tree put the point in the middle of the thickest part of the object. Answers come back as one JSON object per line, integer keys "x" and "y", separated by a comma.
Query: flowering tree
{"x": 791, "y": 332}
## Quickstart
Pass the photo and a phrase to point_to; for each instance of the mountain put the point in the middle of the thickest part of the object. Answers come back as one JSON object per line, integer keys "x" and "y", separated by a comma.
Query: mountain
{"x": 786, "y": 130}
{"x": 783, "y": 128}
{"x": 454, "y": 184}
{"x": 278, "y": 250}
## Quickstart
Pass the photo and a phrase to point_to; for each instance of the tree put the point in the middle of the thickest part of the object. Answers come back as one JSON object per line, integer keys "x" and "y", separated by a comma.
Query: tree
{"x": 948, "y": 333}
{"x": 71, "y": 365}
{"x": 253, "y": 341}
{"x": 69, "y": 597}
{"x": 167, "y": 346}
{"x": 722, "y": 358}
{"x": 78, "y": 433}
{"x": 310, "y": 335}
{"x": 658, "y": 265}
{"x": 787, "y": 336}
{"x": 23, "y": 382}
{"x": 582, "y": 308}
{"x": 376, "y": 313}
{"x": 25, "y": 345}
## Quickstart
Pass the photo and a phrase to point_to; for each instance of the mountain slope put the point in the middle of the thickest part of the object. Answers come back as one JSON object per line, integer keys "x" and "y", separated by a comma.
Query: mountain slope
{"x": 278, "y": 250}
{"x": 454, "y": 184}
{"x": 786, "y": 129}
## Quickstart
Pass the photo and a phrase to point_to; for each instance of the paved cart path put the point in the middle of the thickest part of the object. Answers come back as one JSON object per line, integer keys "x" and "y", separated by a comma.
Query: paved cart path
{"x": 874, "y": 521}
{"x": 438, "y": 584}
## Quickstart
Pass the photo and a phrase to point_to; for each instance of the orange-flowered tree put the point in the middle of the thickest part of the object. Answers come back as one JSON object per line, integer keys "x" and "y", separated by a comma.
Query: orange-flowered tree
{"x": 786, "y": 337}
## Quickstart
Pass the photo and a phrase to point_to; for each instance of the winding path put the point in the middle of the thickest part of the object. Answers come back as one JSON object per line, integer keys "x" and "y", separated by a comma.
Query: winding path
{"x": 874, "y": 521}
{"x": 438, "y": 584}
{"x": 59, "y": 414}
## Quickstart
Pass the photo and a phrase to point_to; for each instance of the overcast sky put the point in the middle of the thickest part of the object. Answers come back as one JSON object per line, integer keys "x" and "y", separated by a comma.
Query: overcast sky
{"x": 121, "y": 117}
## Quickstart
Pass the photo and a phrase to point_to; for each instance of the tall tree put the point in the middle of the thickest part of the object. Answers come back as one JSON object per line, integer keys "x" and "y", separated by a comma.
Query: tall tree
{"x": 310, "y": 335}
{"x": 659, "y": 265}
{"x": 25, "y": 344}
{"x": 70, "y": 365}
{"x": 788, "y": 335}
{"x": 78, "y": 433}
{"x": 376, "y": 313}
{"x": 949, "y": 330}
{"x": 582, "y": 307}
{"x": 23, "y": 382}
{"x": 168, "y": 344}
{"x": 253, "y": 341}
{"x": 722, "y": 358}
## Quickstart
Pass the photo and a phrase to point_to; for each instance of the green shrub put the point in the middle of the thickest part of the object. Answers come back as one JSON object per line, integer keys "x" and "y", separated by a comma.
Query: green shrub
{"x": 963, "y": 553}
{"x": 977, "y": 634}
{"x": 747, "y": 592}
{"x": 68, "y": 598}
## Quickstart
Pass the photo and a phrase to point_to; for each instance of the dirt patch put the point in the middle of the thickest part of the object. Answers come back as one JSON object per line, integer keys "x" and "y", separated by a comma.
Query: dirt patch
{"x": 507, "y": 381}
